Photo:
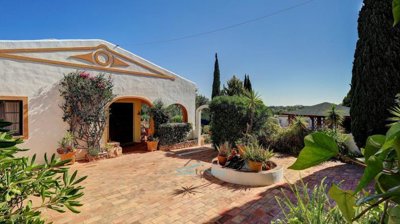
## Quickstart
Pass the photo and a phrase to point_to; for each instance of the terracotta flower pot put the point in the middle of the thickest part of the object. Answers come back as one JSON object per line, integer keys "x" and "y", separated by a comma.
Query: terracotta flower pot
{"x": 255, "y": 166}
{"x": 241, "y": 150}
{"x": 222, "y": 160}
{"x": 152, "y": 145}
{"x": 66, "y": 156}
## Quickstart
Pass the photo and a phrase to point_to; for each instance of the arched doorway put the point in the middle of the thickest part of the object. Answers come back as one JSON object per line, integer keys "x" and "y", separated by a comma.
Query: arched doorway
{"x": 177, "y": 113}
{"x": 124, "y": 120}
{"x": 198, "y": 122}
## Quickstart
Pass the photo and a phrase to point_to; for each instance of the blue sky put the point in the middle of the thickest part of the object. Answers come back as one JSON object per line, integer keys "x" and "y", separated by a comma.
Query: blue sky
{"x": 299, "y": 56}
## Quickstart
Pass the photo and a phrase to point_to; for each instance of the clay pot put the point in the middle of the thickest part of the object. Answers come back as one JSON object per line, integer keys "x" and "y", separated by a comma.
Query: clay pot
{"x": 255, "y": 166}
{"x": 152, "y": 145}
{"x": 118, "y": 151}
{"x": 222, "y": 160}
{"x": 112, "y": 153}
{"x": 241, "y": 150}
{"x": 66, "y": 156}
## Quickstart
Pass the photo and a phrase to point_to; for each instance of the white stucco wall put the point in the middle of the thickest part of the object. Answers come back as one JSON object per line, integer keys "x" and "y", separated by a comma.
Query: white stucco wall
{"x": 39, "y": 82}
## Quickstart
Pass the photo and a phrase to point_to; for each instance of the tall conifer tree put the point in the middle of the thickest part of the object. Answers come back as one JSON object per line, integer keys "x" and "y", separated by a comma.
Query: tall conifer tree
{"x": 376, "y": 70}
{"x": 216, "y": 91}
{"x": 247, "y": 83}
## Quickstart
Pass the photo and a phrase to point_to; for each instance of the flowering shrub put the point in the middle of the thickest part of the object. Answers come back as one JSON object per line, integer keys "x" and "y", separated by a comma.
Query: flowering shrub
{"x": 85, "y": 100}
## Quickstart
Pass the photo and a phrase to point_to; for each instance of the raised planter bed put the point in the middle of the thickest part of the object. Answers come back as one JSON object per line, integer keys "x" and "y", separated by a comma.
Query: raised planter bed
{"x": 244, "y": 177}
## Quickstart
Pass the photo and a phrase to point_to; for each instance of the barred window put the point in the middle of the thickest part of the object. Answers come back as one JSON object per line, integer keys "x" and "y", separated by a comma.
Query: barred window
{"x": 12, "y": 111}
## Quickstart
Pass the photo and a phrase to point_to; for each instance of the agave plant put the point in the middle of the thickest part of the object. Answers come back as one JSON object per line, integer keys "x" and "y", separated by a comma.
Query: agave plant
{"x": 395, "y": 111}
{"x": 257, "y": 153}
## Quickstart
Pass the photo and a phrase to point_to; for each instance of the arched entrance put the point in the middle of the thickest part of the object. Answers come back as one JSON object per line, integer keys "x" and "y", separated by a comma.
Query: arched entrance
{"x": 178, "y": 113}
{"x": 124, "y": 120}
{"x": 198, "y": 122}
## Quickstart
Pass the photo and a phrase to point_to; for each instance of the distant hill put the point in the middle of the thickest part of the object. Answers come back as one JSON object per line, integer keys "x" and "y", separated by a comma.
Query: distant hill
{"x": 281, "y": 109}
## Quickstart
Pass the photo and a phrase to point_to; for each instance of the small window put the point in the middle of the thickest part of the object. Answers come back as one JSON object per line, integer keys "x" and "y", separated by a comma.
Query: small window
{"x": 14, "y": 110}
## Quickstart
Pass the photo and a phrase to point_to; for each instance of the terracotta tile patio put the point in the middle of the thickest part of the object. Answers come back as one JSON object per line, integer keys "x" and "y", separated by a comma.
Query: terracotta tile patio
{"x": 176, "y": 187}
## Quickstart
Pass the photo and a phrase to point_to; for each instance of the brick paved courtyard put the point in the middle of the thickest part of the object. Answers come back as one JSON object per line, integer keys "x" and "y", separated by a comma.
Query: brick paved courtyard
{"x": 176, "y": 187}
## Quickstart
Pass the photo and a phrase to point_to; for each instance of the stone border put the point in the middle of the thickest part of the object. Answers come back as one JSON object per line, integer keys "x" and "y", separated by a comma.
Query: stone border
{"x": 180, "y": 145}
{"x": 233, "y": 176}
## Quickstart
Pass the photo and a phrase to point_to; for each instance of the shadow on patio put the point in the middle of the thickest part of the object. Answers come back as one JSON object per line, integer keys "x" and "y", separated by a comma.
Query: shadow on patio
{"x": 264, "y": 208}
{"x": 200, "y": 153}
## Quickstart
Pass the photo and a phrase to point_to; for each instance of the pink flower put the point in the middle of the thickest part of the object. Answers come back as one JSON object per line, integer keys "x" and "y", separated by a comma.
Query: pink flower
{"x": 84, "y": 75}
{"x": 100, "y": 85}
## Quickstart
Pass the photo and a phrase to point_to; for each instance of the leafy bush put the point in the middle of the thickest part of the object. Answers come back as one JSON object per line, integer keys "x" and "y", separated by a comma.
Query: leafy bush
{"x": 285, "y": 140}
{"x": 206, "y": 129}
{"x": 85, "y": 101}
{"x": 173, "y": 133}
{"x": 177, "y": 119}
{"x": 21, "y": 180}
{"x": 231, "y": 117}
{"x": 340, "y": 139}
{"x": 382, "y": 163}
{"x": 228, "y": 119}
{"x": 159, "y": 113}
{"x": 314, "y": 206}
{"x": 269, "y": 131}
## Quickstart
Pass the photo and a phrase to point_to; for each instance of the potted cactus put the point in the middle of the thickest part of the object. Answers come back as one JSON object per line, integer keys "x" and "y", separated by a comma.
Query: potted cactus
{"x": 66, "y": 148}
{"x": 257, "y": 156}
{"x": 152, "y": 143}
{"x": 224, "y": 150}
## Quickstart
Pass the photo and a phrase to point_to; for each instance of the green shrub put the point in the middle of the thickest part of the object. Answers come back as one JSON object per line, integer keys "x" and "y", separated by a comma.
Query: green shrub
{"x": 314, "y": 206}
{"x": 177, "y": 119}
{"x": 206, "y": 129}
{"x": 269, "y": 131}
{"x": 340, "y": 139}
{"x": 173, "y": 133}
{"x": 207, "y": 139}
{"x": 159, "y": 113}
{"x": 27, "y": 188}
{"x": 230, "y": 117}
{"x": 285, "y": 140}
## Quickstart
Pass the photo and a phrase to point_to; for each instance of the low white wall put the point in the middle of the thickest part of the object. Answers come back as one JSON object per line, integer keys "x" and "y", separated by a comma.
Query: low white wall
{"x": 39, "y": 82}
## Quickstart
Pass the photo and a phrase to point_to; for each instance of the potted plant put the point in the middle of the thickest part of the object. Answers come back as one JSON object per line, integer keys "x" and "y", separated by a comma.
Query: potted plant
{"x": 92, "y": 153}
{"x": 224, "y": 150}
{"x": 152, "y": 143}
{"x": 247, "y": 139}
{"x": 111, "y": 151}
{"x": 66, "y": 148}
{"x": 257, "y": 156}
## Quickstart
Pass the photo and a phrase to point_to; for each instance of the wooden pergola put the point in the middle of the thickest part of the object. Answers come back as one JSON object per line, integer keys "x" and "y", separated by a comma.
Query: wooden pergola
{"x": 317, "y": 113}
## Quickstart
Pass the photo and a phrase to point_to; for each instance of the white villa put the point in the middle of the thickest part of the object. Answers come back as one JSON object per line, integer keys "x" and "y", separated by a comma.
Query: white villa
{"x": 30, "y": 72}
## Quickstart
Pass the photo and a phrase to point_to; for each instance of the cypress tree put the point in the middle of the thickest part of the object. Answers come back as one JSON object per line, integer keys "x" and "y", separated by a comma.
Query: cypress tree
{"x": 216, "y": 91}
{"x": 376, "y": 70}
{"x": 247, "y": 83}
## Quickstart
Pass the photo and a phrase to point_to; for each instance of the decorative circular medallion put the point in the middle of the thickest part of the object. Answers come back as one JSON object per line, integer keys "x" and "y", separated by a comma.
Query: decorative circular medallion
{"x": 103, "y": 58}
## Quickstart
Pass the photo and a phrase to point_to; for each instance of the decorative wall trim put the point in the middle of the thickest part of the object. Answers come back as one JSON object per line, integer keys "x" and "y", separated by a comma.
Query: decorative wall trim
{"x": 100, "y": 58}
